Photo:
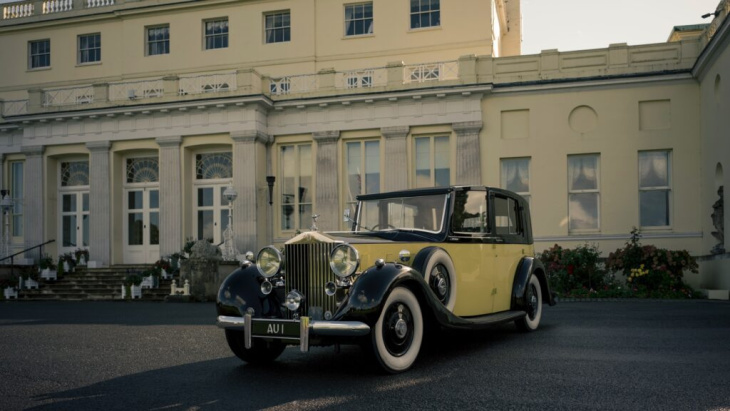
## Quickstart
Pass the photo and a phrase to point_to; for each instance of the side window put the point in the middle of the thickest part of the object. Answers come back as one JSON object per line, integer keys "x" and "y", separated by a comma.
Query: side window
{"x": 470, "y": 212}
{"x": 507, "y": 216}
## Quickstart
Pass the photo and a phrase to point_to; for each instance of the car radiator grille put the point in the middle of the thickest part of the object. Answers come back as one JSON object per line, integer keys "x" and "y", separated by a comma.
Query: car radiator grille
{"x": 307, "y": 271}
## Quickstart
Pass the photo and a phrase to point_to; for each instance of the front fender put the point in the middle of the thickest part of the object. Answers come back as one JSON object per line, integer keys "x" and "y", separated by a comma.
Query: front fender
{"x": 527, "y": 267}
{"x": 368, "y": 294}
{"x": 241, "y": 290}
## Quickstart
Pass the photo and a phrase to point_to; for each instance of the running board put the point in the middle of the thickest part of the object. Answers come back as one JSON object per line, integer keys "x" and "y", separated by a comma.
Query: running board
{"x": 485, "y": 320}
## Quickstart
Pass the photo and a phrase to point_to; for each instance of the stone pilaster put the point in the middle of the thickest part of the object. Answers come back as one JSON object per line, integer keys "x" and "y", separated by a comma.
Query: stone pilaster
{"x": 396, "y": 158}
{"x": 33, "y": 200}
{"x": 468, "y": 155}
{"x": 327, "y": 198}
{"x": 250, "y": 210}
{"x": 171, "y": 224}
{"x": 100, "y": 215}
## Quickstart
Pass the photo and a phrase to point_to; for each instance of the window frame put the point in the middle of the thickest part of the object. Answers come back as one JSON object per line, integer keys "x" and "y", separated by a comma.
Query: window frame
{"x": 667, "y": 189}
{"x": 420, "y": 12}
{"x": 596, "y": 190}
{"x": 432, "y": 160}
{"x": 33, "y": 57}
{"x": 364, "y": 19}
{"x": 285, "y": 29}
{"x": 223, "y": 35}
{"x": 527, "y": 195}
{"x": 362, "y": 166}
{"x": 296, "y": 223}
{"x": 80, "y": 52}
{"x": 17, "y": 223}
{"x": 148, "y": 43}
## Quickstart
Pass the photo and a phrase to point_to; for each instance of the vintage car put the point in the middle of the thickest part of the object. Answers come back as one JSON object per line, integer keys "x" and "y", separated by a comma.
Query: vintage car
{"x": 451, "y": 257}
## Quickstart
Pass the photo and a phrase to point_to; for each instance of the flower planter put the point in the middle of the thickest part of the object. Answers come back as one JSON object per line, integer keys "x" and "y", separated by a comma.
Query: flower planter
{"x": 67, "y": 267}
{"x": 164, "y": 274}
{"x": 48, "y": 274}
{"x": 135, "y": 291}
{"x": 30, "y": 284}
{"x": 10, "y": 292}
{"x": 149, "y": 282}
{"x": 82, "y": 260}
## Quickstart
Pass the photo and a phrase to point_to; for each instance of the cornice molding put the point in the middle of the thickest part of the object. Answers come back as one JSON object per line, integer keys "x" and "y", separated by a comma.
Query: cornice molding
{"x": 395, "y": 132}
{"x": 169, "y": 141}
{"x": 98, "y": 146}
{"x": 250, "y": 136}
{"x": 467, "y": 127}
{"x": 323, "y": 137}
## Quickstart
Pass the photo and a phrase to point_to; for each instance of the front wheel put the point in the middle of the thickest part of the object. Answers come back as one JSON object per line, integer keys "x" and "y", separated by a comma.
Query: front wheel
{"x": 398, "y": 334}
{"x": 533, "y": 306}
{"x": 261, "y": 351}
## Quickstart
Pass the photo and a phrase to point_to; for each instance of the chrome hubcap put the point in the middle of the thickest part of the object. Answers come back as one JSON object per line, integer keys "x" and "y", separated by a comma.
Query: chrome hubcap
{"x": 401, "y": 328}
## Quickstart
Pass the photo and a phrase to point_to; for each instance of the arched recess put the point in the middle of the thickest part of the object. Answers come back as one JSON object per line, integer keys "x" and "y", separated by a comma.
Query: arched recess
{"x": 718, "y": 215}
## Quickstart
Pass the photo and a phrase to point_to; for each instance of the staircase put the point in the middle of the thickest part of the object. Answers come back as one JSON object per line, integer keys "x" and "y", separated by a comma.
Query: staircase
{"x": 93, "y": 284}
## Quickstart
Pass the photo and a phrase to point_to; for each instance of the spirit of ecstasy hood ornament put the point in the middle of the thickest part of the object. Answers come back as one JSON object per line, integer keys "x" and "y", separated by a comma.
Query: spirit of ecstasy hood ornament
{"x": 314, "y": 222}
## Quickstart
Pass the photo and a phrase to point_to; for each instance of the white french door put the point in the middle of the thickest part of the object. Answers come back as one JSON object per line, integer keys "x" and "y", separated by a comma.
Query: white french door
{"x": 74, "y": 221}
{"x": 141, "y": 225}
{"x": 211, "y": 214}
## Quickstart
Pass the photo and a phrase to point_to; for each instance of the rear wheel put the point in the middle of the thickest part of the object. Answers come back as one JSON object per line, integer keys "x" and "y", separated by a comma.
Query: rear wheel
{"x": 533, "y": 306}
{"x": 261, "y": 351}
{"x": 398, "y": 334}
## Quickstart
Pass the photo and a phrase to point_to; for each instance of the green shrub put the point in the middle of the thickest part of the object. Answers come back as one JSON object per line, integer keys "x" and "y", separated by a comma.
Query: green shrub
{"x": 651, "y": 271}
{"x": 574, "y": 269}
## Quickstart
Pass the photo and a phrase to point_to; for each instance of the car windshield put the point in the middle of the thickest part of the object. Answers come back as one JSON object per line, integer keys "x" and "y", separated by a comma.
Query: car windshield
{"x": 423, "y": 213}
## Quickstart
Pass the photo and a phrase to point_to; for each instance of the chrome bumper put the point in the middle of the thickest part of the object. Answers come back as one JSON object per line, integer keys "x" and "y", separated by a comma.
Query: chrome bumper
{"x": 307, "y": 328}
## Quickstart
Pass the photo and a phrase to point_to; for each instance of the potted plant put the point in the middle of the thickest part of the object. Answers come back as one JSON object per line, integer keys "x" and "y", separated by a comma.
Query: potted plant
{"x": 29, "y": 276}
{"x": 47, "y": 268}
{"x": 162, "y": 268}
{"x": 175, "y": 259}
{"x": 188, "y": 247}
{"x": 8, "y": 286}
{"x": 82, "y": 256}
{"x": 150, "y": 279}
{"x": 66, "y": 263}
{"x": 131, "y": 287}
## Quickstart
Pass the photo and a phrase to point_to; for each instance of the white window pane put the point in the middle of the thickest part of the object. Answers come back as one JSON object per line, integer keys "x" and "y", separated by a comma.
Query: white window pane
{"x": 582, "y": 173}
{"x": 653, "y": 169}
{"x": 372, "y": 167}
{"x": 353, "y": 171}
{"x": 583, "y": 211}
{"x": 516, "y": 175}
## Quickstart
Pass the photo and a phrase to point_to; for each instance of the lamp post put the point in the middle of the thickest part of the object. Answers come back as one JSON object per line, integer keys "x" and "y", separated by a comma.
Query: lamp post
{"x": 6, "y": 203}
{"x": 229, "y": 237}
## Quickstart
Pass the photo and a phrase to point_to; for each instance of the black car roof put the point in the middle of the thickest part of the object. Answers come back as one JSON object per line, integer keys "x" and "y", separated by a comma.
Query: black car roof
{"x": 414, "y": 192}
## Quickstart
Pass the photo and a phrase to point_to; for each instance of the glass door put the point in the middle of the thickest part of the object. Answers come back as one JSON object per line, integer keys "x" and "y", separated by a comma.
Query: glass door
{"x": 142, "y": 225}
{"x": 74, "y": 221}
{"x": 212, "y": 213}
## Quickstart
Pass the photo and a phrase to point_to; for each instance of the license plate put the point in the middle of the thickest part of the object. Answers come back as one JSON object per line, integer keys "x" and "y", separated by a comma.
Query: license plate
{"x": 275, "y": 328}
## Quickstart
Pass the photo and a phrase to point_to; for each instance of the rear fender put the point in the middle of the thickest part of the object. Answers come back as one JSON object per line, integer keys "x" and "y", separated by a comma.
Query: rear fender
{"x": 527, "y": 267}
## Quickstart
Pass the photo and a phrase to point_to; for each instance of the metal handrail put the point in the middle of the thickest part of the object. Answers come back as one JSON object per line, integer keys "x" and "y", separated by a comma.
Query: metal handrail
{"x": 27, "y": 249}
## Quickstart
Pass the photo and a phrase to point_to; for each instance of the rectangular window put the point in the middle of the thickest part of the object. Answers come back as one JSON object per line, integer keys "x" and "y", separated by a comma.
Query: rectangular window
{"x": 362, "y": 167}
{"x": 654, "y": 188}
{"x": 516, "y": 176}
{"x": 425, "y": 13}
{"x": 89, "y": 48}
{"x": 358, "y": 19}
{"x": 507, "y": 217}
{"x": 277, "y": 27}
{"x": 216, "y": 34}
{"x": 16, "y": 193}
{"x": 39, "y": 54}
{"x": 296, "y": 188}
{"x": 158, "y": 40}
{"x": 583, "y": 192}
{"x": 432, "y": 161}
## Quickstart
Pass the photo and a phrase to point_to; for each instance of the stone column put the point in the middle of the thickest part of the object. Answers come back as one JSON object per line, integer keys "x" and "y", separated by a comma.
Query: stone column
{"x": 250, "y": 220}
{"x": 33, "y": 200}
{"x": 100, "y": 213}
{"x": 396, "y": 158}
{"x": 327, "y": 200}
{"x": 171, "y": 224}
{"x": 468, "y": 155}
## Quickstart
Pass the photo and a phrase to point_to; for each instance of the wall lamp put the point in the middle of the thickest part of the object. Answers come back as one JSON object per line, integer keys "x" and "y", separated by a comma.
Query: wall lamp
{"x": 270, "y": 182}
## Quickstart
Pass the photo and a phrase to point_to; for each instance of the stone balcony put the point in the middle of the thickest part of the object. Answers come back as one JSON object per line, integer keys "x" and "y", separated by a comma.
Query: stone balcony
{"x": 23, "y": 12}
{"x": 550, "y": 67}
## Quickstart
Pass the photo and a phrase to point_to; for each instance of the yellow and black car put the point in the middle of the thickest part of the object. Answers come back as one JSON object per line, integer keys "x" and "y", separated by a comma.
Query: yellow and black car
{"x": 453, "y": 257}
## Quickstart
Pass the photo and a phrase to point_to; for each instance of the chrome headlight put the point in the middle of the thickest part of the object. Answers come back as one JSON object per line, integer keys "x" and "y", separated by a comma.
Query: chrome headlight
{"x": 269, "y": 261}
{"x": 293, "y": 300}
{"x": 344, "y": 260}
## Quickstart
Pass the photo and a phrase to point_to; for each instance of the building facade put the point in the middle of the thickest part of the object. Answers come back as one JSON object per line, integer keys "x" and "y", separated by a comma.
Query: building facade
{"x": 124, "y": 121}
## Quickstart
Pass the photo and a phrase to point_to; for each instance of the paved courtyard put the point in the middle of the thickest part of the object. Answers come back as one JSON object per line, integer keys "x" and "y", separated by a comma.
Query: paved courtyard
{"x": 586, "y": 355}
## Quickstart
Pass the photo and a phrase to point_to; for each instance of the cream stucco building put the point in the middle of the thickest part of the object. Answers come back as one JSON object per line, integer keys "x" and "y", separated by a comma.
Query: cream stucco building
{"x": 124, "y": 120}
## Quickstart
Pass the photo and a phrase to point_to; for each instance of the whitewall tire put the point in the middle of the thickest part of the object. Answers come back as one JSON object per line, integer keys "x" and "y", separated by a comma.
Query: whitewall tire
{"x": 398, "y": 334}
{"x": 533, "y": 306}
